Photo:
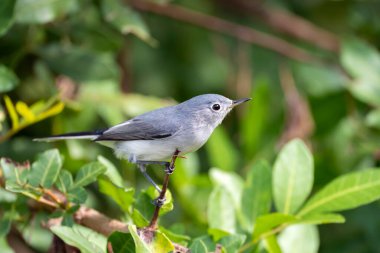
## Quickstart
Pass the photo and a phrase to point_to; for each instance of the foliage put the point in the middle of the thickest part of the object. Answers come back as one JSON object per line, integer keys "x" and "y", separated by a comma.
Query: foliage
{"x": 70, "y": 65}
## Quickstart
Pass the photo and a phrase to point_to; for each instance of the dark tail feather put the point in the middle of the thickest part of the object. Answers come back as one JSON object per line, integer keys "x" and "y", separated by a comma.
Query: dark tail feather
{"x": 72, "y": 136}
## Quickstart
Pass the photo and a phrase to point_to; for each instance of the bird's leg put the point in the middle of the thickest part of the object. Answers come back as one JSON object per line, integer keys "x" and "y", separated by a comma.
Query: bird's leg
{"x": 142, "y": 167}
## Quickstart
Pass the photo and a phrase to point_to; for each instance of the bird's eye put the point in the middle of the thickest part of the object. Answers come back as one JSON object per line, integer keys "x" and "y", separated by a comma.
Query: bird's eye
{"x": 216, "y": 107}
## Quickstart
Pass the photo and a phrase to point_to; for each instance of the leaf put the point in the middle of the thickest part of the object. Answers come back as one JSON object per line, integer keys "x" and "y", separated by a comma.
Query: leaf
{"x": 257, "y": 194}
{"x": 64, "y": 181}
{"x": 231, "y": 182}
{"x": 271, "y": 244}
{"x": 23, "y": 109}
{"x": 320, "y": 80}
{"x": 292, "y": 176}
{"x": 12, "y": 112}
{"x": 198, "y": 246}
{"x": 85, "y": 239}
{"x": 54, "y": 110}
{"x": 43, "y": 11}
{"x": 77, "y": 195}
{"x": 360, "y": 59}
{"x": 175, "y": 236}
{"x": 122, "y": 196}
{"x": 5, "y": 226}
{"x": 345, "y": 192}
{"x": 368, "y": 91}
{"x": 4, "y": 247}
{"x": 8, "y": 79}
{"x": 232, "y": 243}
{"x": 202, "y": 244}
{"x": 45, "y": 169}
{"x": 268, "y": 222}
{"x": 159, "y": 244}
{"x": 88, "y": 174}
{"x": 112, "y": 173}
{"x": 373, "y": 119}
{"x": 122, "y": 242}
{"x": 126, "y": 20}
{"x": 319, "y": 218}
{"x": 220, "y": 212}
{"x": 221, "y": 151}
{"x": 299, "y": 239}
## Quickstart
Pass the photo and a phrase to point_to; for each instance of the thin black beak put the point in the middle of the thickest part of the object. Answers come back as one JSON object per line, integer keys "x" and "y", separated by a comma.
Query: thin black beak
{"x": 240, "y": 101}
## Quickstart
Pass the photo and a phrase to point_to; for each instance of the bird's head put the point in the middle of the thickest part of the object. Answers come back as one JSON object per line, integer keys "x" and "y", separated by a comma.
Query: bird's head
{"x": 212, "y": 108}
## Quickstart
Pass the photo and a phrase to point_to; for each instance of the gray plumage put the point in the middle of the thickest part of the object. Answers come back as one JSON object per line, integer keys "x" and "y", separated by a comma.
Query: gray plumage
{"x": 155, "y": 135}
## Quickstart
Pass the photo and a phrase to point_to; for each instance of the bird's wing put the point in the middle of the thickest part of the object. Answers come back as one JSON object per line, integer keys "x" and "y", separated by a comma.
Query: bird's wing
{"x": 139, "y": 129}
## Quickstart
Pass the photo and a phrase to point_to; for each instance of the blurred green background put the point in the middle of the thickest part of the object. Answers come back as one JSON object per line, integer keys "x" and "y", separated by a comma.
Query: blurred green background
{"x": 108, "y": 61}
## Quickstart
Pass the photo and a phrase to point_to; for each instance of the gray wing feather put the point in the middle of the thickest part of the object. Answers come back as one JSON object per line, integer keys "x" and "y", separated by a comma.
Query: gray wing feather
{"x": 143, "y": 127}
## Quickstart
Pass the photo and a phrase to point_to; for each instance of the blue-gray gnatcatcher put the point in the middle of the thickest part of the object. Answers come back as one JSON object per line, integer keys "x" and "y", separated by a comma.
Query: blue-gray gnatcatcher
{"x": 153, "y": 137}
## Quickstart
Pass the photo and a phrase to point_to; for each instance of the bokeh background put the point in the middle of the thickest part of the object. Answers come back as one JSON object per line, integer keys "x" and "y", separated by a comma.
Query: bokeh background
{"x": 311, "y": 67}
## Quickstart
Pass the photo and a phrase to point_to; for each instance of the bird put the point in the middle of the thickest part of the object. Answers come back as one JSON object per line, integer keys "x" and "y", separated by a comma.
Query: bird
{"x": 153, "y": 137}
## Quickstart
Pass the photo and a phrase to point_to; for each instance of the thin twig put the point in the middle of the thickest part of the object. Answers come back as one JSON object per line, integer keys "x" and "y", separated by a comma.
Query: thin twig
{"x": 286, "y": 23}
{"x": 216, "y": 24}
{"x": 153, "y": 222}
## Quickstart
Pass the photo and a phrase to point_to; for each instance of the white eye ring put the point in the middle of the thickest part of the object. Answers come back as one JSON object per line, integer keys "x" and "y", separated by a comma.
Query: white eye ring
{"x": 216, "y": 107}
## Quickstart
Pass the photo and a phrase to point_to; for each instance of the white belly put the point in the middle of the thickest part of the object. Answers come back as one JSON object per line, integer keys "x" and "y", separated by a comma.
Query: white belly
{"x": 159, "y": 149}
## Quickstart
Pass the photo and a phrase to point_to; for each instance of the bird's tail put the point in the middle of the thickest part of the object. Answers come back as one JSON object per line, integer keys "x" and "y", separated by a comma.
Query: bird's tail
{"x": 71, "y": 136}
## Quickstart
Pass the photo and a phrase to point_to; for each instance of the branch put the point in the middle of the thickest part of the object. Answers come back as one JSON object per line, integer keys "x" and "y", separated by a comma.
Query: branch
{"x": 215, "y": 24}
{"x": 153, "y": 222}
{"x": 286, "y": 23}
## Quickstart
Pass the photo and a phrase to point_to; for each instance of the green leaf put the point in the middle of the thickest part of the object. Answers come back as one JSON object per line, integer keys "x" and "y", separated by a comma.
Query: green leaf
{"x": 122, "y": 196}
{"x": 220, "y": 212}
{"x": 345, "y": 192}
{"x": 366, "y": 90}
{"x": 158, "y": 244}
{"x": 88, "y": 174}
{"x": 231, "y": 182}
{"x": 198, "y": 246}
{"x": 6, "y": 18}
{"x": 299, "y": 239}
{"x": 320, "y": 80}
{"x": 43, "y": 11}
{"x": 321, "y": 218}
{"x": 4, "y": 247}
{"x": 292, "y": 176}
{"x": 221, "y": 151}
{"x": 268, "y": 222}
{"x": 85, "y": 239}
{"x": 202, "y": 244}
{"x": 77, "y": 195}
{"x": 122, "y": 242}
{"x": 360, "y": 59}
{"x": 271, "y": 244}
{"x": 5, "y": 226}
{"x": 177, "y": 237}
{"x": 45, "y": 169}
{"x": 112, "y": 173}
{"x": 257, "y": 194}
{"x": 232, "y": 243}
{"x": 8, "y": 79}
{"x": 126, "y": 20}
{"x": 65, "y": 181}
{"x": 373, "y": 119}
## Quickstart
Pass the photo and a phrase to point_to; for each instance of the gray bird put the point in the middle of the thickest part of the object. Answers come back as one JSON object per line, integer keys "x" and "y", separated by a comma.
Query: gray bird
{"x": 153, "y": 137}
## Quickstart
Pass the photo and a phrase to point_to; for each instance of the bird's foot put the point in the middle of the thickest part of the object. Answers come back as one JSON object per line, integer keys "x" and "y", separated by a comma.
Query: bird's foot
{"x": 169, "y": 169}
{"x": 159, "y": 202}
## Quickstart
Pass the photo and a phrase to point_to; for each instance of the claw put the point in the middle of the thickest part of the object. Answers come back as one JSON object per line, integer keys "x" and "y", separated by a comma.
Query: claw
{"x": 159, "y": 201}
